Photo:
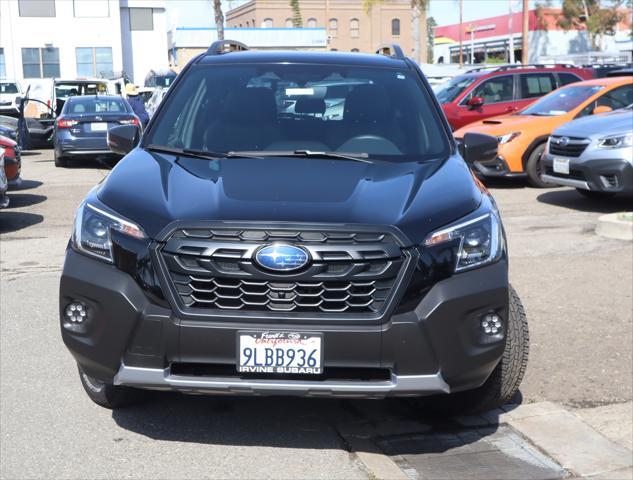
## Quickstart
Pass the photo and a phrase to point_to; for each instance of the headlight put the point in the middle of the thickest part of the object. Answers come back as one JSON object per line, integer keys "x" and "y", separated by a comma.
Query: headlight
{"x": 508, "y": 137}
{"x": 616, "y": 141}
{"x": 480, "y": 241}
{"x": 92, "y": 231}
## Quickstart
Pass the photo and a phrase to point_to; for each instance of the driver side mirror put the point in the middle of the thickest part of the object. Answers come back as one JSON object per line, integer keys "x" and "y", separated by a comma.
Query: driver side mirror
{"x": 124, "y": 138}
{"x": 475, "y": 102}
{"x": 477, "y": 147}
{"x": 601, "y": 109}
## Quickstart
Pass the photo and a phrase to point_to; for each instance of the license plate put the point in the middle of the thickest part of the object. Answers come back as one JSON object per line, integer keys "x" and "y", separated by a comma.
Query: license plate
{"x": 99, "y": 127}
{"x": 280, "y": 352}
{"x": 561, "y": 165}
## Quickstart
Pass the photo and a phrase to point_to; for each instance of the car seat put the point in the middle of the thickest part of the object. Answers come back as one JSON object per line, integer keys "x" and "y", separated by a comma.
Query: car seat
{"x": 247, "y": 122}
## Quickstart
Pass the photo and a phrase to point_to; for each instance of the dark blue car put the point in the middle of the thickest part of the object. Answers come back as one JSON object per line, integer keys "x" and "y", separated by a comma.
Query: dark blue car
{"x": 82, "y": 127}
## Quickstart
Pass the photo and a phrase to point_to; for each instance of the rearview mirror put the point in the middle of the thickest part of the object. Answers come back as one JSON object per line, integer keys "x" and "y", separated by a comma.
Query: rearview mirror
{"x": 123, "y": 139}
{"x": 602, "y": 109}
{"x": 475, "y": 102}
{"x": 477, "y": 147}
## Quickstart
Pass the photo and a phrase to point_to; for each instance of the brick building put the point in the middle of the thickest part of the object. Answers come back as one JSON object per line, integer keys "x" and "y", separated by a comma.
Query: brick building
{"x": 349, "y": 27}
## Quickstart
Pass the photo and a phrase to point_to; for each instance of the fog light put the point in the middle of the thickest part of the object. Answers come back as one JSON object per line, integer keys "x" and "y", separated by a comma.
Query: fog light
{"x": 75, "y": 317}
{"x": 491, "y": 324}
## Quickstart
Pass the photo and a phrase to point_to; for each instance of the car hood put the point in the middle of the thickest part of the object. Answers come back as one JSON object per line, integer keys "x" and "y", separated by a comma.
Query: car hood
{"x": 598, "y": 125}
{"x": 155, "y": 189}
{"x": 512, "y": 123}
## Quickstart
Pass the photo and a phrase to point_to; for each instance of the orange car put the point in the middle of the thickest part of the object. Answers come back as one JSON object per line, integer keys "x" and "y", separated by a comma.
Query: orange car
{"x": 523, "y": 135}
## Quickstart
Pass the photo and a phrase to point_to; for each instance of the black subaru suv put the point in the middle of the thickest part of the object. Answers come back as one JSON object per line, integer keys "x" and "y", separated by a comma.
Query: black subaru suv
{"x": 294, "y": 223}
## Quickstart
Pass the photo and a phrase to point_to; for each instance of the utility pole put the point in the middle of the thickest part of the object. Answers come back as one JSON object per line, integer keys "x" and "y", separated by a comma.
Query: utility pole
{"x": 525, "y": 58}
{"x": 510, "y": 34}
{"x": 461, "y": 33}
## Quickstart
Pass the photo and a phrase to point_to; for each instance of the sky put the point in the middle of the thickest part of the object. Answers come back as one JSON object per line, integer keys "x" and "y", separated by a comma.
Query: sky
{"x": 199, "y": 13}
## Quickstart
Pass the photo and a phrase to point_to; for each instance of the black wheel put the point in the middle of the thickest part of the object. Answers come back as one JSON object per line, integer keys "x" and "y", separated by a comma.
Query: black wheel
{"x": 60, "y": 160}
{"x": 505, "y": 379}
{"x": 594, "y": 194}
{"x": 107, "y": 395}
{"x": 534, "y": 168}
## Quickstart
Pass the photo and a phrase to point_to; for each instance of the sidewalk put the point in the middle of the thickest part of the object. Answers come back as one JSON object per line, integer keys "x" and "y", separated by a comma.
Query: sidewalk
{"x": 539, "y": 440}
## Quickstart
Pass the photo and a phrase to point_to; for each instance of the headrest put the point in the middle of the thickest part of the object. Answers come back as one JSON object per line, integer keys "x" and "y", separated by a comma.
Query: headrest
{"x": 251, "y": 105}
{"x": 366, "y": 104}
{"x": 310, "y": 105}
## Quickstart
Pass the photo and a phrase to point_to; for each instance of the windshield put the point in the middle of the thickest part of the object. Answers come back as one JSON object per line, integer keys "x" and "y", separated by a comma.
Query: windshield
{"x": 561, "y": 101}
{"x": 165, "y": 81}
{"x": 450, "y": 90}
{"x": 8, "y": 87}
{"x": 65, "y": 90}
{"x": 285, "y": 108}
{"x": 81, "y": 105}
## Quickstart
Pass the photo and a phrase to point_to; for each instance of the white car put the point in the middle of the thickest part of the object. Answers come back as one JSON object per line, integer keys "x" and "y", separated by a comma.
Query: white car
{"x": 10, "y": 96}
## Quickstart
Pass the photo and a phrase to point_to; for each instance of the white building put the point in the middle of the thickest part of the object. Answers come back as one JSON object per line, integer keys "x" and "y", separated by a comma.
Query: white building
{"x": 187, "y": 42}
{"x": 81, "y": 38}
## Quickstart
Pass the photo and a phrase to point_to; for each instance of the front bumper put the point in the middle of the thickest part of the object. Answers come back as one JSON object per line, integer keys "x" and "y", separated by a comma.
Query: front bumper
{"x": 436, "y": 346}
{"x": 609, "y": 175}
{"x": 497, "y": 167}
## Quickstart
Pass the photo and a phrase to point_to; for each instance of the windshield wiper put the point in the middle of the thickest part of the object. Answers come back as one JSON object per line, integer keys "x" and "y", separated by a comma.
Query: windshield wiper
{"x": 355, "y": 157}
{"x": 204, "y": 154}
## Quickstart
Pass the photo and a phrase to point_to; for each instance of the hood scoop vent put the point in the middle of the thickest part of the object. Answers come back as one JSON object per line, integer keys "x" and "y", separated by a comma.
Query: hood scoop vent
{"x": 491, "y": 122}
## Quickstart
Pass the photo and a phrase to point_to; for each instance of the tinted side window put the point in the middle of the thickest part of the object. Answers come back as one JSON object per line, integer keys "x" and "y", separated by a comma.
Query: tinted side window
{"x": 535, "y": 85}
{"x": 495, "y": 90}
{"x": 618, "y": 97}
{"x": 567, "y": 78}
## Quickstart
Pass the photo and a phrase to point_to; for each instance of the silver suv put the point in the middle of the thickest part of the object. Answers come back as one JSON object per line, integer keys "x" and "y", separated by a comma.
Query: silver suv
{"x": 593, "y": 154}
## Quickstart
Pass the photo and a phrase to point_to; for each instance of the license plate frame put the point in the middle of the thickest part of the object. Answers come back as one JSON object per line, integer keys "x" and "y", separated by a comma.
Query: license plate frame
{"x": 98, "y": 126}
{"x": 275, "y": 340}
{"x": 561, "y": 165}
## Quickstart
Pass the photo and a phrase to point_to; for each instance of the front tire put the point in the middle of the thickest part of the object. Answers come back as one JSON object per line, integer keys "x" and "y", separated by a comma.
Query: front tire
{"x": 505, "y": 379}
{"x": 108, "y": 395}
{"x": 534, "y": 168}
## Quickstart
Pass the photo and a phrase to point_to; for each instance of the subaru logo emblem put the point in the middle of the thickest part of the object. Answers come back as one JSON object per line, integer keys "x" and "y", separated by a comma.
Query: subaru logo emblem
{"x": 282, "y": 258}
{"x": 562, "y": 141}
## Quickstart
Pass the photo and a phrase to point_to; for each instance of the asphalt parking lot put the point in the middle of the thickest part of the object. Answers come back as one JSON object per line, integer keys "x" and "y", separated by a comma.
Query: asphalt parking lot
{"x": 576, "y": 287}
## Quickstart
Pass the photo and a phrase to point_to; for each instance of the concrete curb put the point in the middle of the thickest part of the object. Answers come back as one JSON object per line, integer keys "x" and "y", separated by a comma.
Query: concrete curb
{"x": 614, "y": 226}
{"x": 560, "y": 434}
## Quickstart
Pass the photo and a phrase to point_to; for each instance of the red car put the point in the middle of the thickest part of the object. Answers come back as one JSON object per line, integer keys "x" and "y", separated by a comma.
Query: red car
{"x": 12, "y": 160}
{"x": 490, "y": 91}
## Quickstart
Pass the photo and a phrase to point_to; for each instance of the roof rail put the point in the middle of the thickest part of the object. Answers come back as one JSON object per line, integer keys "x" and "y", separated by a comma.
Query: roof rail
{"x": 501, "y": 68}
{"x": 225, "y": 46}
{"x": 391, "y": 50}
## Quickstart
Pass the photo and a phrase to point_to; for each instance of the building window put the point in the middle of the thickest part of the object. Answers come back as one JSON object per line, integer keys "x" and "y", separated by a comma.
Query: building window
{"x": 36, "y": 8}
{"x": 91, "y": 8}
{"x": 3, "y": 64}
{"x": 312, "y": 23}
{"x": 333, "y": 27}
{"x": 267, "y": 23}
{"x": 395, "y": 27}
{"x": 289, "y": 23}
{"x": 94, "y": 62}
{"x": 355, "y": 50}
{"x": 354, "y": 28}
{"x": 40, "y": 62}
{"x": 247, "y": 24}
{"x": 141, "y": 19}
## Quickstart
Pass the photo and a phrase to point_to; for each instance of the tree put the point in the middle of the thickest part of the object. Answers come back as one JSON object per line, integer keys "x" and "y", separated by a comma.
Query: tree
{"x": 219, "y": 18}
{"x": 598, "y": 17}
{"x": 297, "y": 21}
{"x": 418, "y": 26}
{"x": 430, "y": 27}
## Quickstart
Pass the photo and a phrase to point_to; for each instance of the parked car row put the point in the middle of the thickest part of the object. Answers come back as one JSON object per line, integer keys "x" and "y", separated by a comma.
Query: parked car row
{"x": 524, "y": 137}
